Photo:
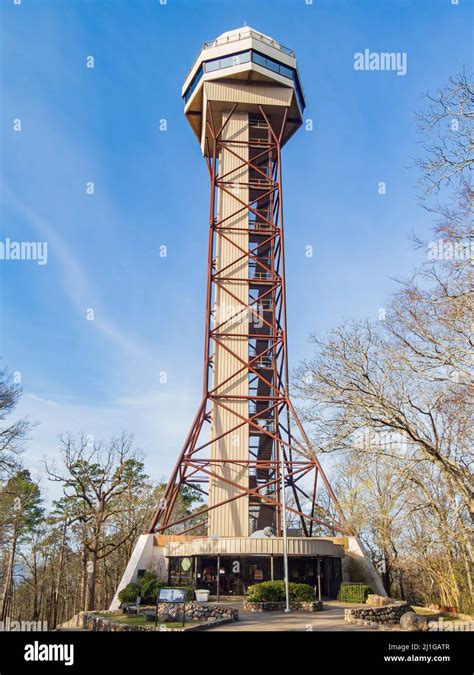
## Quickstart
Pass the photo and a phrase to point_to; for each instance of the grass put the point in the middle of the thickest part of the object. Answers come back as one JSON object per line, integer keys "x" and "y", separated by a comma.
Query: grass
{"x": 425, "y": 611}
{"x": 449, "y": 617}
{"x": 140, "y": 621}
{"x": 433, "y": 614}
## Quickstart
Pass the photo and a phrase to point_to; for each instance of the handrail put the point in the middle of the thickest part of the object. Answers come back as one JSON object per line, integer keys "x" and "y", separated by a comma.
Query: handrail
{"x": 242, "y": 36}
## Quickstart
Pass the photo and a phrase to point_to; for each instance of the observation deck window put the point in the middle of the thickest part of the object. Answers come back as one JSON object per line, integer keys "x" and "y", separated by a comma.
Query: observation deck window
{"x": 244, "y": 57}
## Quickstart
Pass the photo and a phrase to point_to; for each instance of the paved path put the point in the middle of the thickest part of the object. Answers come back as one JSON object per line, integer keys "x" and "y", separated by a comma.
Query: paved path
{"x": 330, "y": 619}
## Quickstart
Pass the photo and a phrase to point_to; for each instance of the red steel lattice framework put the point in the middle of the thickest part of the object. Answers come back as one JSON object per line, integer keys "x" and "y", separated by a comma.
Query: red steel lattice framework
{"x": 271, "y": 417}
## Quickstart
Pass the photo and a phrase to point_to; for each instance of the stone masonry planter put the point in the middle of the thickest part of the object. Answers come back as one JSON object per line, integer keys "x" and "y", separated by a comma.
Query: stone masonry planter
{"x": 280, "y": 606}
{"x": 209, "y": 615}
{"x": 387, "y": 615}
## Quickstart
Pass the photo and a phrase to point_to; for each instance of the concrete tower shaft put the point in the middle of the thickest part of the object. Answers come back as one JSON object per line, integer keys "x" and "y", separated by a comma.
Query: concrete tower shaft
{"x": 231, "y": 323}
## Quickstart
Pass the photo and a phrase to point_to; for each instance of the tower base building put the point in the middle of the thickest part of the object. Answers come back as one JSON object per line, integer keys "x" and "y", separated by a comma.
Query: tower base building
{"x": 234, "y": 564}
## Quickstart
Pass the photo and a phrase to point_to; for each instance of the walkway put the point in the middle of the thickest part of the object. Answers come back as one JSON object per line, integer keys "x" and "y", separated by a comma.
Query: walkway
{"x": 330, "y": 619}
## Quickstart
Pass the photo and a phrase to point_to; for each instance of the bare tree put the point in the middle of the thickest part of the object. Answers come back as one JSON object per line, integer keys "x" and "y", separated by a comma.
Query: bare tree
{"x": 446, "y": 125}
{"x": 356, "y": 383}
{"x": 95, "y": 479}
{"x": 394, "y": 400}
{"x": 12, "y": 434}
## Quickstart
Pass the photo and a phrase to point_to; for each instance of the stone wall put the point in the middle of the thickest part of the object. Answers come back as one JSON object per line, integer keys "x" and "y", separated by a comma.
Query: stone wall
{"x": 378, "y": 600}
{"x": 198, "y": 611}
{"x": 73, "y": 622}
{"x": 208, "y": 615}
{"x": 280, "y": 606}
{"x": 388, "y": 615}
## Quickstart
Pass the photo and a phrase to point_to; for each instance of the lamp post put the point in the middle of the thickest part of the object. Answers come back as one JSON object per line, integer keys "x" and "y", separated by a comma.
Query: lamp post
{"x": 285, "y": 538}
{"x": 215, "y": 537}
{"x": 319, "y": 579}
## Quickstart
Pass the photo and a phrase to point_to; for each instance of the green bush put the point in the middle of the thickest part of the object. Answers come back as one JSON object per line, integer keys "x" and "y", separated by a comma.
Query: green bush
{"x": 301, "y": 592}
{"x": 266, "y": 591}
{"x": 147, "y": 587}
{"x": 274, "y": 591}
{"x": 130, "y": 592}
{"x": 150, "y": 589}
{"x": 351, "y": 592}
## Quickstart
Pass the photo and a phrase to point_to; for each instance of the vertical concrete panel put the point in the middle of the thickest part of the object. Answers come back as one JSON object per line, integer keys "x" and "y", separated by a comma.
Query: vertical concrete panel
{"x": 231, "y": 519}
{"x": 142, "y": 558}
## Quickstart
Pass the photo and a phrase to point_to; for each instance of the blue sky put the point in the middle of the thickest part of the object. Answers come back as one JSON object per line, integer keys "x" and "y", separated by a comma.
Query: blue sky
{"x": 151, "y": 189}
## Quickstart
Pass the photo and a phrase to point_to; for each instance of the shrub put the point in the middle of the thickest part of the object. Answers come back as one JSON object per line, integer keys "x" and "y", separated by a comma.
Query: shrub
{"x": 274, "y": 591}
{"x": 266, "y": 591}
{"x": 350, "y": 592}
{"x": 147, "y": 587}
{"x": 130, "y": 592}
{"x": 301, "y": 592}
{"x": 150, "y": 588}
{"x": 190, "y": 594}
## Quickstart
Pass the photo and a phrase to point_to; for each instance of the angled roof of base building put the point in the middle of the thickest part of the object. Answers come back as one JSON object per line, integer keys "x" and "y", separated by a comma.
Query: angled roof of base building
{"x": 244, "y": 56}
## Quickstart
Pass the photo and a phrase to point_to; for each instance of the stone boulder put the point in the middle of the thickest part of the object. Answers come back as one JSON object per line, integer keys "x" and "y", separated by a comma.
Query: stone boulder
{"x": 378, "y": 600}
{"x": 411, "y": 621}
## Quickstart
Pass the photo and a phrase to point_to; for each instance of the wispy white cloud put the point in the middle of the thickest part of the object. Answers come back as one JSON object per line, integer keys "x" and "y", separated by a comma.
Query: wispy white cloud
{"x": 73, "y": 279}
{"x": 158, "y": 419}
